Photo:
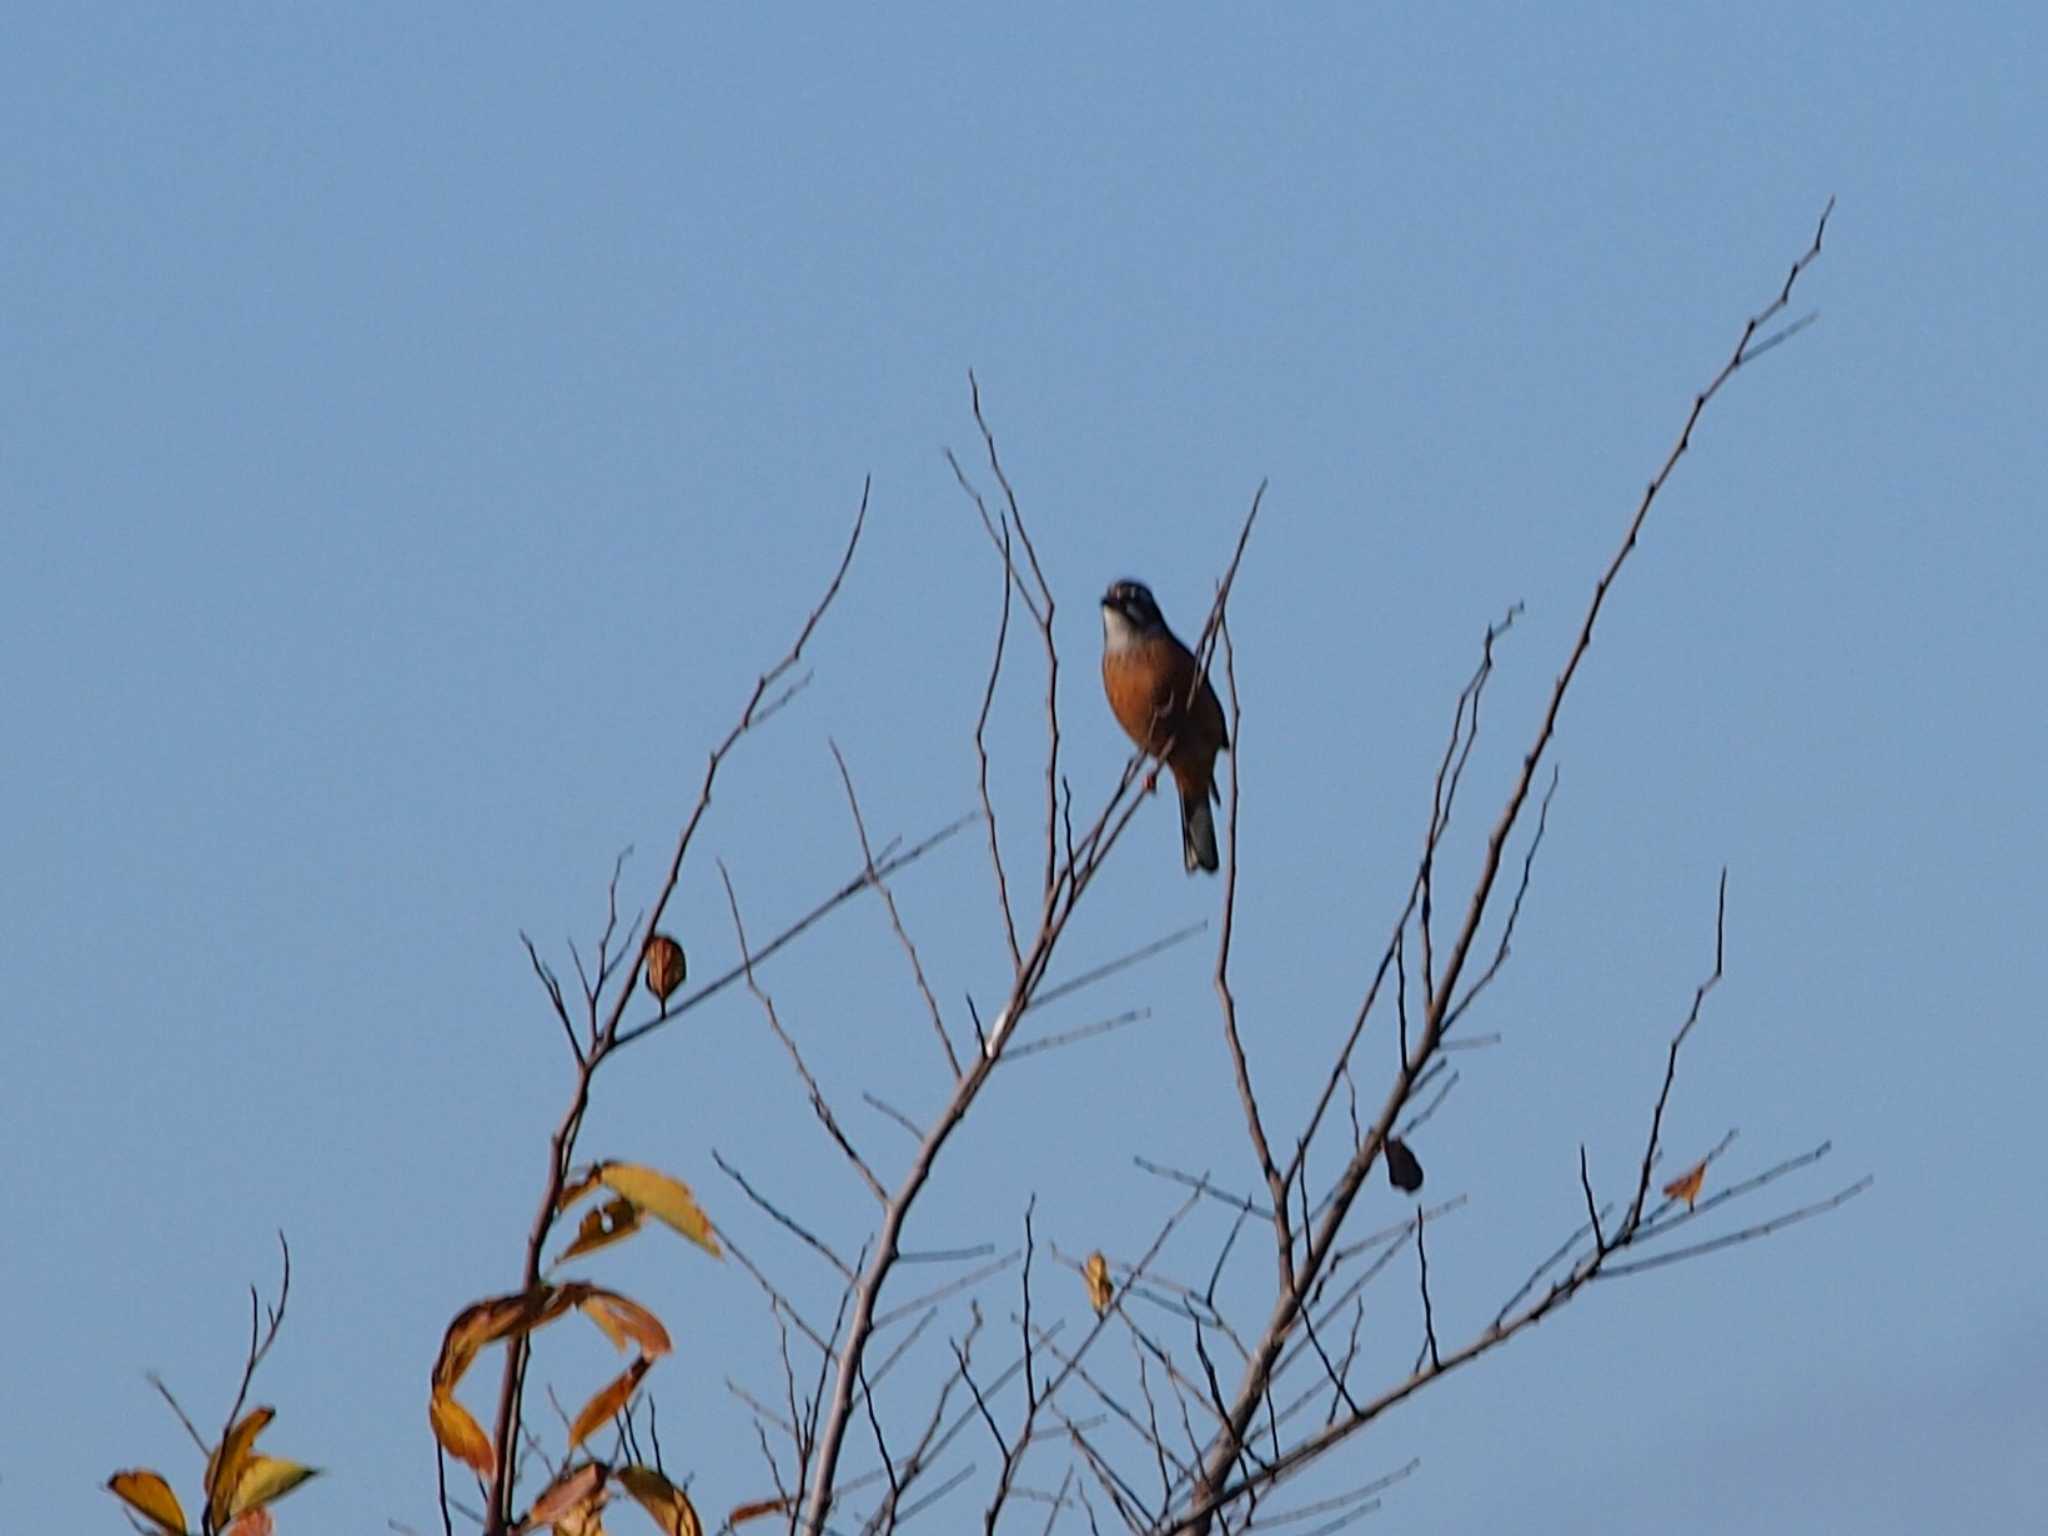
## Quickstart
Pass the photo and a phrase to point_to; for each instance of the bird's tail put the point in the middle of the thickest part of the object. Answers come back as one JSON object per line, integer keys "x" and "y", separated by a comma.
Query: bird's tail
{"x": 1197, "y": 828}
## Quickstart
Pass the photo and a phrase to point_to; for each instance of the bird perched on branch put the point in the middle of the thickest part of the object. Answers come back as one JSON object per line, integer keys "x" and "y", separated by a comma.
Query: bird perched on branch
{"x": 1165, "y": 704}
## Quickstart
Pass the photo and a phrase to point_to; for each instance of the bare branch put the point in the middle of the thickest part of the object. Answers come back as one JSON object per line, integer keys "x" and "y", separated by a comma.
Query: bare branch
{"x": 1728, "y": 1240}
{"x": 819, "y": 1106}
{"x": 1048, "y": 995}
{"x": 553, "y": 988}
{"x": 1083, "y": 1032}
{"x": 1283, "y": 1232}
{"x": 786, "y": 1222}
{"x": 1218, "y": 1485}
{"x": 895, "y": 918}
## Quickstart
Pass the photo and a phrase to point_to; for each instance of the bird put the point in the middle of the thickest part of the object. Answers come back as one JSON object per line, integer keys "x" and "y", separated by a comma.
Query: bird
{"x": 1164, "y": 702}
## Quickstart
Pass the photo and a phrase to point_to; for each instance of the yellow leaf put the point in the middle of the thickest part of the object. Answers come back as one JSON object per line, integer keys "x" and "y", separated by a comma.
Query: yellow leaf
{"x": 662, "y": 1197}
{"x": 609, "y": 1400}
{"x": 578, "y": 1491}
{"x": 265, "y": 1480}
{"x": 1687, "y": 1185}
{"x": 623, "y": 1319}
{"x": 662, "y": 1499}
{"x": 1100, "y": 1291}
{"x": 151, "y": 1497}
{"x": 256, "y": 1522}
{"x": 603, "y": 1225}
{"x": 224, "y": 1468}
{"x": 460, "y": 1435}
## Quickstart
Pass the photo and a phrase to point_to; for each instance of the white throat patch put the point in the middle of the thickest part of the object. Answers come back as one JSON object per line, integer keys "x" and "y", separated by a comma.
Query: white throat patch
{"x": 1118, "y": 632}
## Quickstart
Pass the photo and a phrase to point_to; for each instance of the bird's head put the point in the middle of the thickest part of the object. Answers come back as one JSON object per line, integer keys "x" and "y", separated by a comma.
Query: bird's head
{"x": 1128, "y": 612}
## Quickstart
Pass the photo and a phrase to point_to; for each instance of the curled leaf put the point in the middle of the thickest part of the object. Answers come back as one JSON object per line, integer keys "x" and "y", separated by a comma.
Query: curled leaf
{"x": 149, "y": 1496}
{"x": 578, "y": 1491}
{"x": 1687, "y": 1185}
{"x": 663, "y": 1500}
{"x": 1404, "y": 1172}
{"x": 460, "y": 1434}
{"x": 497, "y": 1318}
{"x": 603, "y": 1225}
{"x": 624, "y": 1319}
{"x": 663, "y": 1198}
{"x": 1100, "y": 1291}
{"x": 756, "y": 1510}
{"x": 613, "y": 1396}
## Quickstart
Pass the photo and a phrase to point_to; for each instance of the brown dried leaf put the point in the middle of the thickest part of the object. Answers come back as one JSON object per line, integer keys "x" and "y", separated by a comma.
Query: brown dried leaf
{"x": 602, "y": 1225}
{"x": 755, "y": 1511}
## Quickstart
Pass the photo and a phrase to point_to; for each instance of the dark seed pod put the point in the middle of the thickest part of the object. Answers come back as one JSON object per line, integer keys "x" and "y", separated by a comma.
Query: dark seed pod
{"x": 1403, "y": 1171}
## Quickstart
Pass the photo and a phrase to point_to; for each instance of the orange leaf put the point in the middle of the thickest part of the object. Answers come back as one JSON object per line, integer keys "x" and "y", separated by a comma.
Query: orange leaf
{"x": 603, "y": 1225}
{"x": 224, "y": 1468}
{"x": 747, "y": 1512}
{"x": 662, "y": 1499}
{"x": 255, "y": 1522}
{"x": 578, "y": 1491}
{"x": 460, "y": 1435}
{"x": 623, "y": 1319}
{"x": 1687, "y": 1185}
{"x": 1100, "y": 1291}
{"x": 664, "y": 1198}
{"x": 151, "y": 1497}
{"x": 609, "y": 1400}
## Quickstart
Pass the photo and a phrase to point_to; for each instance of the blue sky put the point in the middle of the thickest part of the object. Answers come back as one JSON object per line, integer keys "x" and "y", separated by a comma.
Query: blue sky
{"x": 417, "y": 429}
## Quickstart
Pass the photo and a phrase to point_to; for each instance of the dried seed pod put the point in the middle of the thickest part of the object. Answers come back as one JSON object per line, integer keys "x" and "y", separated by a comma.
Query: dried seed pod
{"x": 1403, "y": 1171}
{"x": 666, "y": 967}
